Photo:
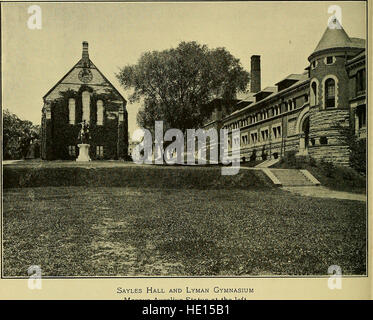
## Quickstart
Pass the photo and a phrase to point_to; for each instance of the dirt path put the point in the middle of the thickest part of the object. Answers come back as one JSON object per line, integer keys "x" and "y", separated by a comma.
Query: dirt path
{"x": 323, "y": 192}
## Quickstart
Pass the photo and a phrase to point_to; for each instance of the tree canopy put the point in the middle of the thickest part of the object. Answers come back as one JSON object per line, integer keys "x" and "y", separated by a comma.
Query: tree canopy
{"x": 176, "y": 85}
{"x": 17, "y": 135}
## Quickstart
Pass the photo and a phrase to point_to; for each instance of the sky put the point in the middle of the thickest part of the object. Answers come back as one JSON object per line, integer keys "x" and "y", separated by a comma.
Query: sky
{"x": 283, "y": 33}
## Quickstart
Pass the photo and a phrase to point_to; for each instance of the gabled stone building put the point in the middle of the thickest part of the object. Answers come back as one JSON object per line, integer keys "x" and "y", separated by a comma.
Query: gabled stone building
{"x": 301, "y": 113}
{"x": 84, "y": 93}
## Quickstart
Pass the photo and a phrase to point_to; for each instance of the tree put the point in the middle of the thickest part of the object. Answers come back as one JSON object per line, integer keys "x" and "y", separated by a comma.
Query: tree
{"x": 17, "y": 136}
{"x": 176, "y": 85}
{"x": 357, "y": 147}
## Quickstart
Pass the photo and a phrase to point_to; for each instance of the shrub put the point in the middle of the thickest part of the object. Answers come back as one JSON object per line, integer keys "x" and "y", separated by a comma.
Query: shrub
{"x": 290, "y": 159}
{"x": 253, "y": 156}
{"x": 358, "y": 155}
{"x": 264, "y": 154}
{"x": 312, "y": 162}
{"x": 328, "y": 168}
{"x": 357, "y": 147}
{"x": 92, "y": 174}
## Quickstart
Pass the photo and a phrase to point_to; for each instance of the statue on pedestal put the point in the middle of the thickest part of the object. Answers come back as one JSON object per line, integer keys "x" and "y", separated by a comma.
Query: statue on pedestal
{"x": 84, "y": 138}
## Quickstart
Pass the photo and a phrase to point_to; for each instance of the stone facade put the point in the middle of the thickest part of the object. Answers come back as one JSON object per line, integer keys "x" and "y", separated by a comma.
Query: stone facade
{"x": 302, "y": 112}
{"x": 84, "y": 94}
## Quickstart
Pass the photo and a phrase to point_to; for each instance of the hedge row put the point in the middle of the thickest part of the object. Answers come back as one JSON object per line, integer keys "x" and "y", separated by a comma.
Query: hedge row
{"x": 132, "y": 176}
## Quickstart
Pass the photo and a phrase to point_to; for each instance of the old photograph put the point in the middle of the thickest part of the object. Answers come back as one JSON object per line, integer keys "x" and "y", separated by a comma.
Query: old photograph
{"x": 197, "y": 139}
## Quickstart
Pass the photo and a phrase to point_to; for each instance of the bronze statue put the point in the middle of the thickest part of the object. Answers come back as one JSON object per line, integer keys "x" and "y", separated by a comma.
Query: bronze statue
{"x": 84, "y": 135}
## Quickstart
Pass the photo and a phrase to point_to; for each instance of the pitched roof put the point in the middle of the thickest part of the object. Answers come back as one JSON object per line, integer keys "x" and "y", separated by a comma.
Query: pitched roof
{"x": 303, "y": 78}
{"x": 359, "y": 56}
{"x": 91, "y": 65}
{"x": 336, "y": 37}
{"x": 293, "y": 76}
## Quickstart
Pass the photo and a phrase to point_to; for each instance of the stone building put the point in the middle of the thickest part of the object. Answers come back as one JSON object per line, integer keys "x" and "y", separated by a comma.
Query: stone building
{"x": 84, "y": 93}
{"x": 302, "y": 112}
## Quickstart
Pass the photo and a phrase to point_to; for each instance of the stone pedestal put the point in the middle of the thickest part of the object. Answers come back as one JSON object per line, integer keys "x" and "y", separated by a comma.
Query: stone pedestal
{"x": 83, "y": 153}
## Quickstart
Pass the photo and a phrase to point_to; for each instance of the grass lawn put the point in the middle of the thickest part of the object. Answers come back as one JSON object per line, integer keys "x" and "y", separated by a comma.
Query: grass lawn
{"x": 128, "y": 231}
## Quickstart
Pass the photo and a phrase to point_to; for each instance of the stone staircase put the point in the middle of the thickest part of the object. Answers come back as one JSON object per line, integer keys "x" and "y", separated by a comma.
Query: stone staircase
{"x": 267, "y": 163}
{"x": 291, "y": 177}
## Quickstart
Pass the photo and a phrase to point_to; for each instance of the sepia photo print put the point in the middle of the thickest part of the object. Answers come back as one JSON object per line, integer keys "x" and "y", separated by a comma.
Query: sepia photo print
{"x": 184, "y": 140}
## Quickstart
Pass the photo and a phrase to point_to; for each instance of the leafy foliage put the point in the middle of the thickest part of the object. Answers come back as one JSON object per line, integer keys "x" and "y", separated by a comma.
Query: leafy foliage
{"x": 106, "y": 135}
{"x": 357, "y": 147}
{"x": 18, "y": 135}
{"x": 330, "y": 175}
{"x": 176, "y": 85}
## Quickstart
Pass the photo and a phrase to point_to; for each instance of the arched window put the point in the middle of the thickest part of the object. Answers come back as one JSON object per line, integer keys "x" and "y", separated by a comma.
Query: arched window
{"x": 72, "y": 111}
{"x": 100, "y": 113}
{"x": 313, "y": 93}
{"x": 330, "y": 93}
{"x": 86, "y": 99}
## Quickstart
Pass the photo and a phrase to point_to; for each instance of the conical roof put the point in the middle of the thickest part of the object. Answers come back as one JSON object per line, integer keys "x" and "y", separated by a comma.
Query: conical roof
{"x": 334, "y": 37}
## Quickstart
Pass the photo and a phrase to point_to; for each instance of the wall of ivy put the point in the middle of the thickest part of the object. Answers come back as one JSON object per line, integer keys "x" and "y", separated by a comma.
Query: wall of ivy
{"x": 106, "y": 135}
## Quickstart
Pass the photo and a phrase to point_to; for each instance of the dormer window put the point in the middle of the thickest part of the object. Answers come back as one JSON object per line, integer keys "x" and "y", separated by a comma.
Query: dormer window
{"x": 329, "y": 60}
{"x": 314, "y": 64}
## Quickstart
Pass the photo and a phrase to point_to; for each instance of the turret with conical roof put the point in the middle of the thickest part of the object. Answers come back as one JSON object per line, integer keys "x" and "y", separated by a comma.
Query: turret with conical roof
{"x": 328, "y": 61}
{"x": 329, "y": 91}
{"x": 336, "y": 38}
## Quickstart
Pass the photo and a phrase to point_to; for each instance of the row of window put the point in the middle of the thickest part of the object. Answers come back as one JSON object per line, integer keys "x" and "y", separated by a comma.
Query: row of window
{"x": 99, "y": 151}
{"x": 86, "y": 109}
{"x": 323, "y": 140}
{"x": 327, "y": 60}
{"x": 264, "y": 114}
{"x": 254, "y": 137}
{"x": 329, "y": 93}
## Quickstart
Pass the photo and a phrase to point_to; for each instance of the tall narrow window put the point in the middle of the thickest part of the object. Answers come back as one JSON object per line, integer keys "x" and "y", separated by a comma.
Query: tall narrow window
{"x": 86, "y": 99}
{"x": 71, "y": 150}
{"x": 100, "y": 113}
{"x": 72, "y": 111}
{"x": 362, "y": 117}
{"x": 313, "y": 94}
{"x": 100, "y": 151}
{"x": 330, "y": 93}
{"x": 360, "y": 82}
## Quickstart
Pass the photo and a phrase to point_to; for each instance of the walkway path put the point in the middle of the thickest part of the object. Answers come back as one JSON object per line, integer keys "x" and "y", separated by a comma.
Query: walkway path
{"x": 323, "y": 192}
{"x": 5, "y": 162}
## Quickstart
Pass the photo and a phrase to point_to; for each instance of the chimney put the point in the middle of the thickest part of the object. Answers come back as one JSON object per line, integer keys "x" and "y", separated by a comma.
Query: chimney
{"x": 85, "y": 54}
{"x": 255, "y": 74}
